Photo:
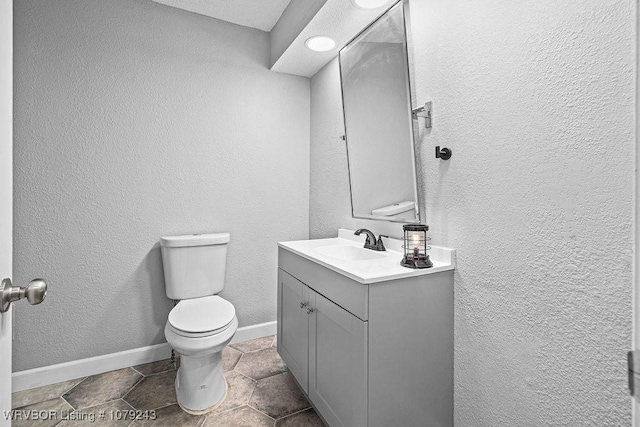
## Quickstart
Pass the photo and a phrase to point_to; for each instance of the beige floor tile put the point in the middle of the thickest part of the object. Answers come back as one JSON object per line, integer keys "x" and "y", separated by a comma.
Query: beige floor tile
{"x": 102, "y": 388}
{"x": 111, "y": 414}
{"x": 41, "y": 414}
{"x": 260, "y": 391}
{"x": 254, "y": 345}
{"x": 171, "y": 416}
{"x": 153, "y": 392}
{"x": 239, "y": 389}
{"x": 278, "y": 396}
{"x": 261, "y": 364}
{"x": 40, "y": 394}
{"x": 230, "y": 357}
{"x": 243, "y": 416}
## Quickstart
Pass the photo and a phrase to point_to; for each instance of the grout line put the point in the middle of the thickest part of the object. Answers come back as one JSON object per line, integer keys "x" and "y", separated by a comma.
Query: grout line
{"x": 76, "y": 385}
{"x": 253, "y": 351}
{"x": 251, "y": 395}
{"x": 248, "y": 403}
{"x": 154, "y": 374}
{"x": 67, "y": 402}
{"x": 296, "y": 413}
{"x": 136, "y": 370}
{"x": 260, "y": 349}
{"x": 225, "y": 411}
{"x": 266, "y": 415}
{"x": 246, "y": 376}
{"x": 98, "y": 404}
{"x": 238, "y": 362}
{"x": 165, "y": 406}
{"x": 132, "y": 387}
{"x": 128, "y": 404}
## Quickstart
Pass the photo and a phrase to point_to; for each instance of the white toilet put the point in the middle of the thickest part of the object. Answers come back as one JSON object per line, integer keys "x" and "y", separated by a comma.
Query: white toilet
{"x": 202, "y": 323}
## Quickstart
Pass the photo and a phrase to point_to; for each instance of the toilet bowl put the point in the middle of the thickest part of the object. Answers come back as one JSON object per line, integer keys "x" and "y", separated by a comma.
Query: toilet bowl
{"x": 202, "y": 323}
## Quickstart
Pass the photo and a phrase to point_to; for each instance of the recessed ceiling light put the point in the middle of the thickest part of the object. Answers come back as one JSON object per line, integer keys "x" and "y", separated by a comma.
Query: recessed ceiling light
{"x": 320, "y": 43}
{"x": 370, "y": 4}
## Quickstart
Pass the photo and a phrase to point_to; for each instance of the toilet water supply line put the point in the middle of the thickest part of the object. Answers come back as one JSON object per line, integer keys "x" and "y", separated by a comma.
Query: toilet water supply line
{"x": 173, "y": 352}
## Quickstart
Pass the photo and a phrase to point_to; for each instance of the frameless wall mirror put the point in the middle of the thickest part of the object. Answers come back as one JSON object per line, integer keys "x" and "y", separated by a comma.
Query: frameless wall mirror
{"x": 374, "y": 71}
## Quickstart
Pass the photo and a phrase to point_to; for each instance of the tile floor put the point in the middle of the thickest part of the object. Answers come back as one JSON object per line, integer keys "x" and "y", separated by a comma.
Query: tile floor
{"x": 261, "y": 392}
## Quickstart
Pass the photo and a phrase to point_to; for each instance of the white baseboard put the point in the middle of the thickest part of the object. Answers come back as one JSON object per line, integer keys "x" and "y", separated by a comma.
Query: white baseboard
{"x": 37, "y": 377}
{"x": 247, "y": 333}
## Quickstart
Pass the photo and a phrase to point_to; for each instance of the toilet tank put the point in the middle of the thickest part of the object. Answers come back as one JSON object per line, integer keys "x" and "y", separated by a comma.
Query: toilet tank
{"x": 194, "y": 265}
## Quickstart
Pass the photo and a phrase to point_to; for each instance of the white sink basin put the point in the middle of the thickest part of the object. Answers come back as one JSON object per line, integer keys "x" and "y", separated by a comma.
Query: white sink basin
{"x": 349, "y": 253}
{"x": 345, "y": 255}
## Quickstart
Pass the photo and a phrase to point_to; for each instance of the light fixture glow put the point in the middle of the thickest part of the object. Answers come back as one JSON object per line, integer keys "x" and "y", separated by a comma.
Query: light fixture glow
{"x": 370, "y": 4}
{"x": 320, "y": 43}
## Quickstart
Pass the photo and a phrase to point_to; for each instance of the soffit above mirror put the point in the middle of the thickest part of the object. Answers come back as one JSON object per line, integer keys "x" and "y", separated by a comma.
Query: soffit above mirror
{"x": 340, "y": 20}
{"x": 291, "y": 23}
{"x": 261, "y": 15}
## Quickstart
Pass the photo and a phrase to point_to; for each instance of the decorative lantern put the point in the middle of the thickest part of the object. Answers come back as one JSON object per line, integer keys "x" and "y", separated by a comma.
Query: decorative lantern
{"x": 415, "y": 246}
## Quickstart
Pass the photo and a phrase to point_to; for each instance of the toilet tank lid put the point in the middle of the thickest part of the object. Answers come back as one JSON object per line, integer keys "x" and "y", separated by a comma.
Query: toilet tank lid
{"x": 194, "y": 240}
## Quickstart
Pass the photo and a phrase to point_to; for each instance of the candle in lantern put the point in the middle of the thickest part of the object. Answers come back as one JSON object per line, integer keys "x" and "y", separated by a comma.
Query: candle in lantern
{"x": 415, "y": 242}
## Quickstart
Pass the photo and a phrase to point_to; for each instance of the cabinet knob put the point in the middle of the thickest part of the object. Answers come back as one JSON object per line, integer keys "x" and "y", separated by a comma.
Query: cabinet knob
{"x": 303, "y": 304}
{"x": 309, "y": 310}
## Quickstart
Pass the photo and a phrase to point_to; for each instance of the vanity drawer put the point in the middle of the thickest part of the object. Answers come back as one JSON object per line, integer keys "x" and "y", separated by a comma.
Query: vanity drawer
{"x": 347, "y": 293}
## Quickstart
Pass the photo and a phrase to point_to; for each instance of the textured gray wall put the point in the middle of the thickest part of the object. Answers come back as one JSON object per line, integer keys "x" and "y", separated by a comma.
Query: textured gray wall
{"x": 134, "y": 120}
{"x": 536, "y": 99}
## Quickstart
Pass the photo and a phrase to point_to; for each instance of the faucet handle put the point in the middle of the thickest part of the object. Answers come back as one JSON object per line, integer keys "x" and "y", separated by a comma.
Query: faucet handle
{"x": 380, "y": 243}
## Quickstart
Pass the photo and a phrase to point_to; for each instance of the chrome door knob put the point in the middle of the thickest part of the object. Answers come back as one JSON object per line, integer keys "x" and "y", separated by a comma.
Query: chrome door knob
{"x": 35, "y": 292}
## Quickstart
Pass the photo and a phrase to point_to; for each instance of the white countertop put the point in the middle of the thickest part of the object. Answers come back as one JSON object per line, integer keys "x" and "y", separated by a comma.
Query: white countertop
{"x": 387, "y": 267}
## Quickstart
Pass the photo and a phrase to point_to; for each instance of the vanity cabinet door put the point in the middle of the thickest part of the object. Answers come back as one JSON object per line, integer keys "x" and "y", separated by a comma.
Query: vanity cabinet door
{"x": 337, "y": 363}
{"x": 293, "y": 326}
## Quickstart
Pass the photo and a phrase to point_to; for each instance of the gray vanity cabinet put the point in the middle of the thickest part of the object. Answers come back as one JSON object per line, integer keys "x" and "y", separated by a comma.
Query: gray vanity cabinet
{"x": 368, "y": 355}
{"x": 324, "y": 347}
{"x": 293, "y": 328}
{"x": 337, "y": 363}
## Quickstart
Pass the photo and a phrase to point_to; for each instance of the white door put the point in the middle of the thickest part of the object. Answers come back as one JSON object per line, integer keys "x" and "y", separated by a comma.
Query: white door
{"x": 636, "y": 246}
{"x": 6, "y": 194}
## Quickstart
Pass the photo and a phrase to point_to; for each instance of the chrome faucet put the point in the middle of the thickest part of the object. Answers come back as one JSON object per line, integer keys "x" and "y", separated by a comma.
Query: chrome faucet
{"x": 377, "y": 245}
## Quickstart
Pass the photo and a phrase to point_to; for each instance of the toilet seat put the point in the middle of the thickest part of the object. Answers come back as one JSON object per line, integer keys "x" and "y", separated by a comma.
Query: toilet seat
{"x": 201, "y": 317}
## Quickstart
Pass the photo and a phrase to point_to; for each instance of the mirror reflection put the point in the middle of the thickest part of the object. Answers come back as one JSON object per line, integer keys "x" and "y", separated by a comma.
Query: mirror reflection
{"x": 376, "y": 97}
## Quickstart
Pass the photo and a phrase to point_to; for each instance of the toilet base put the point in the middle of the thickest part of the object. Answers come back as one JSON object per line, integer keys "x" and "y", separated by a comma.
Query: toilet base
{"x": 209, "y": 409}
{"x": 200, "y": 383}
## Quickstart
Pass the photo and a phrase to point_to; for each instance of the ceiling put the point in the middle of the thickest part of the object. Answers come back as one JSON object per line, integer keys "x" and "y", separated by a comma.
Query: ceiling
{"x": 261, "y": 14}
{"x": 290, "y": 28}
